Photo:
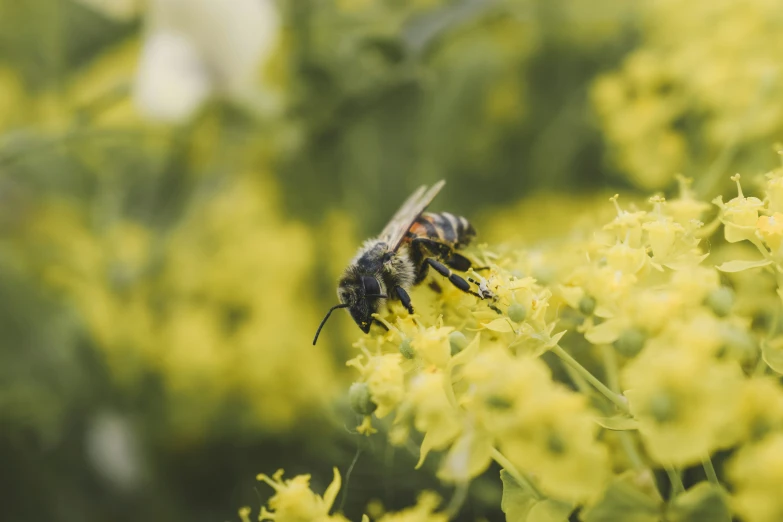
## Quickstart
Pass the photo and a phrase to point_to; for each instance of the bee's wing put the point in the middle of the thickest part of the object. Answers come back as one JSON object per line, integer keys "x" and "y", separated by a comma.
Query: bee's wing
{"x": 394, "y": 232}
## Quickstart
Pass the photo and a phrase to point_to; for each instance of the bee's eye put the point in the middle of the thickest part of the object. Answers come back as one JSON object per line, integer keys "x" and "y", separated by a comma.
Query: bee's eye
{"x": 371, "y": 286}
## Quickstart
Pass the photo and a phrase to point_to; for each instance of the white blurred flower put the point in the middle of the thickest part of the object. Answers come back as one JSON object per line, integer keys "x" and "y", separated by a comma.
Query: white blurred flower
{"x": 172, "y": 80}
{"x": 197, "y": 48}
{"x": 113, "y": 449}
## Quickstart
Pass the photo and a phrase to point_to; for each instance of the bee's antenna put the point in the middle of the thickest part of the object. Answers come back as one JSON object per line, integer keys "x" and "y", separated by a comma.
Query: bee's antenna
{"x": 332, "y": 309}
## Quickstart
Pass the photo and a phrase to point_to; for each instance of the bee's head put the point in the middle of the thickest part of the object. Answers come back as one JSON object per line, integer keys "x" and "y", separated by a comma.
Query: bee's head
{"x": 360, "y": 294}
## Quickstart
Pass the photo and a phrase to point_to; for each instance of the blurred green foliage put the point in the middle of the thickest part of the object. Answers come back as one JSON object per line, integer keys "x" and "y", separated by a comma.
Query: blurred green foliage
{"x": 161, "y": 279}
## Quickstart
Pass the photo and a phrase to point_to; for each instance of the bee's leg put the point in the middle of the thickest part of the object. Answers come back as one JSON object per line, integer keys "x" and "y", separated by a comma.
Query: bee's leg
{"x": 452, "y": 277}
{"x": 437, "y": 248}
{"x": 404, "y": 298}
{"x": 458, "y": 262}
{"x": 462, "y": 263}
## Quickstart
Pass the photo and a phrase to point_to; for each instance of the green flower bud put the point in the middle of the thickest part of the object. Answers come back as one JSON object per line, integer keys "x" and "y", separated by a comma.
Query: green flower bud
{"x": 720, "y": 301}
{"x": 517, "y": 312}
{"x": 359, "y": 398}
{"x": 498, "y": 402}
{"x": 406, "y": 349}
{"x": 458, "y": 342}
{"x": 739, "y": 345}
{"x": 587, "y": 305}
{"x": 662, "y": 407}
{"x": 630, "y": 342}
{"x": 556, "y": 444}
{"x": 544, "y": 274}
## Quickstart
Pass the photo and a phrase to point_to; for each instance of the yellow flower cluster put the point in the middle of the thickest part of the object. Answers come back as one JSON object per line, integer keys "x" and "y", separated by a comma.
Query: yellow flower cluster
{"x": 703, "y": 83}
{"x": 193, "y": 306}
{"x": 663, "y": 370}
{"x": 293, "y": 501}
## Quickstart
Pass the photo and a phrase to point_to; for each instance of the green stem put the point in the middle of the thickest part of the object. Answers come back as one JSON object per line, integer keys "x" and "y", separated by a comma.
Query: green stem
{"x": 674, "y": 478}
{"x": 626, "y": 439}
{"x": 601, "y": 387}
{"x": 579, "y": 381}
{"x": 610, "y": 365}
{"x": 514, "y": 472}
{"x": 761, "y": 248}
{"x": 710, "y": 470}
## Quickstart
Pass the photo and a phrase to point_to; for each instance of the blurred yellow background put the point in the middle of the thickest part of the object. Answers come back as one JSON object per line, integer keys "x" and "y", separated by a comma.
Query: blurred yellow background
{"x": 181, "y": 183}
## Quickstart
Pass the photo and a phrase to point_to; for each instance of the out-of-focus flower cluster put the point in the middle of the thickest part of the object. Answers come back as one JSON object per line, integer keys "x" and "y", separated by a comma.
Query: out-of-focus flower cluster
{"x": 703, "y": 86}
{"x": 192, "y": 304}
{"x": 634, "y": 359}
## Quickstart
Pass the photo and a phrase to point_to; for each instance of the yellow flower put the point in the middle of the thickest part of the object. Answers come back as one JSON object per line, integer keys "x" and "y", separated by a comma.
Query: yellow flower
{"x": 662, "y": 234}
{"x": 554, "y": 439}
{"x": 432, "y": 345}
{"x": 497, "y": 381}
{"x": 627, "y": 226}
{"x": 293, "y": 500}
{"x": 385, "y": 379}
{"x": 739, "y": 215}
{"x": 434, "y": 415}
{"x": 694, "y": 284}
{"x": 683, "y": 398}
{"x": 757, "y": 473}
{"x": 774, "y": 191}
{"x": 771, "y": 230}
{"x": 541, "y": 427}
{"x": 760, "y": 408}
{"x": 685, "y": 208}
{"x": 468, "y": 457}
{"x": 423, "y": 511}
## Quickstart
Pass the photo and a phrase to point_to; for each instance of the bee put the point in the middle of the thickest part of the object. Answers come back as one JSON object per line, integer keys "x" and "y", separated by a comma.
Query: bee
{"x": 400, "y": 257}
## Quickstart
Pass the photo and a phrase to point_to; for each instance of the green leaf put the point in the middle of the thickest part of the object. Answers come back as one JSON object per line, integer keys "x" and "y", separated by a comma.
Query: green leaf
{"x": 550, "y": 511}
{"x": 617, "y": 423}
{"x": 772, "y": 353}
{"x": 739, "y": 266}
{"x": 465, "y": 355}
{"x": 604, "y": 333}
{"x": 520, "y": 504}
{"x": 624, "y": 500}
{"x": 704, "y": 502}
{"x": 502, "y": 325}
{"x": 517, "y": 500}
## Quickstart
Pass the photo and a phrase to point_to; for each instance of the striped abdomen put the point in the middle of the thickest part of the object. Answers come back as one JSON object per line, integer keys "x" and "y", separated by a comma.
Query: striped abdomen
{"x": 455, "y": 231}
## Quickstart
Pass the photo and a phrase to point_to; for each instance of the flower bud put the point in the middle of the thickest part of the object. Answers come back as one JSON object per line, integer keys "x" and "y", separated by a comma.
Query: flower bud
{"x": 406, "y": 349}
{"x": 630, "y": 342}
{"x": 517, "y": 312}
{"x": 458, "y": 342}
{"x": 587, "y": 305}
{"x": 662, "y": 407}
{"x": 720, "y": 301}
{"x": 359, "y": 398}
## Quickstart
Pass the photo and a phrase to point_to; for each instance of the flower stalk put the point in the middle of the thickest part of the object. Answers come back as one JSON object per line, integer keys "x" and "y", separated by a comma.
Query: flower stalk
{"x": 617, "y": 399}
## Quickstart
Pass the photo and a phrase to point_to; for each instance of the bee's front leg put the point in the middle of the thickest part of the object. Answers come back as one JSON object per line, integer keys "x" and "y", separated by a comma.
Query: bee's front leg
{"x": 404, "y": 298}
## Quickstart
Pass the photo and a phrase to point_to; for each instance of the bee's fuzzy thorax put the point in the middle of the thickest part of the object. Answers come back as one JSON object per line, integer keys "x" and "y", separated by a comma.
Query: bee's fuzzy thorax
{"x": 398, "y": 270}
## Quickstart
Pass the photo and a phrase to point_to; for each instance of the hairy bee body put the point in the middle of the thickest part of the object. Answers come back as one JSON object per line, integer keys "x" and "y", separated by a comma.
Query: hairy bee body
{"x": 404, "y": 267}
{"x": 444, "y": 228}
{"x": 412, "y": 242}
